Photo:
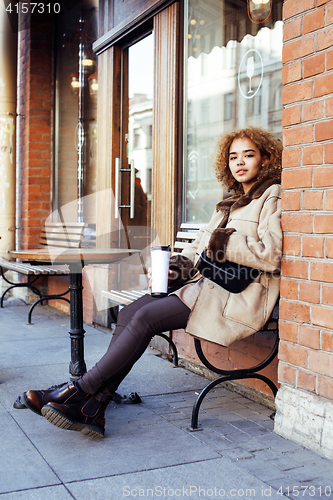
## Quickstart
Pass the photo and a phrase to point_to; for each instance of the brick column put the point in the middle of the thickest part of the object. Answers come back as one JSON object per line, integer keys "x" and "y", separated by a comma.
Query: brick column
{"x": 305, "y": 399}
{"x": 35, "y": 66}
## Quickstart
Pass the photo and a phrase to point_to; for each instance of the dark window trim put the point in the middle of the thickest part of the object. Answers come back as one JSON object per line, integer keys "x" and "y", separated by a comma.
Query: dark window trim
{"x": 126, "y": 32}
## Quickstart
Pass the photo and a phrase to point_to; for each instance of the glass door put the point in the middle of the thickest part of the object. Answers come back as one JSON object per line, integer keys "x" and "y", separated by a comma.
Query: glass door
{"x": 134, "y": 167}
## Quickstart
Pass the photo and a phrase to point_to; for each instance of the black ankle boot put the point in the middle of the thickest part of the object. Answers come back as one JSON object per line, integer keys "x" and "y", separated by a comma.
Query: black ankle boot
{"x": 86, "y": 416}
{"x": 35, "y": 400}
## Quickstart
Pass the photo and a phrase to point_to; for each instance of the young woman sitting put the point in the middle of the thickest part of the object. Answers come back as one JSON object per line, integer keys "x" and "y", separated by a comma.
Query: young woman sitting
{"x": 244, "y": 229}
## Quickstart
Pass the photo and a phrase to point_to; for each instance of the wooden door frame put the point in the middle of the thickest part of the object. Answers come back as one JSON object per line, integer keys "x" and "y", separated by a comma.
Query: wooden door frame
{"x": 165, "y": 181}
{"x": 167, "y": 144}
{"x": 167, "y": 161}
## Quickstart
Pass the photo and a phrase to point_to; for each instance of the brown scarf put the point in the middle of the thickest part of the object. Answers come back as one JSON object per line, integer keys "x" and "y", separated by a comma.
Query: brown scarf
{"x": 237, "y": 201}
{"x": 220, "y": 236}
{"x": 182, "y": 268}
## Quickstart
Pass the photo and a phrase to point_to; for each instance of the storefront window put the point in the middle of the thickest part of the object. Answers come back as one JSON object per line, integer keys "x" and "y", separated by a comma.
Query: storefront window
{"x": 233, "y": 68}
{"x": 76, "y": 109}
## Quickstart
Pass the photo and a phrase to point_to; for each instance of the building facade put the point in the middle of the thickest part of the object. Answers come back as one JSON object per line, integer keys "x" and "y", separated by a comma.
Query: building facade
{"x": 304, "y": 402}
{"x": 119, "y": 106}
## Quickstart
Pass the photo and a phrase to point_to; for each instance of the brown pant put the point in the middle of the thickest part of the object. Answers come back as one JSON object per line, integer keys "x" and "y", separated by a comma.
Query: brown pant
{"x": 136, "y": 325}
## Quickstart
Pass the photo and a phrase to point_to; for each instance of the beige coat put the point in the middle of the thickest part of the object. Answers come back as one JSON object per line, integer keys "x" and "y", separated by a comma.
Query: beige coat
{"x": 216, "y": 314}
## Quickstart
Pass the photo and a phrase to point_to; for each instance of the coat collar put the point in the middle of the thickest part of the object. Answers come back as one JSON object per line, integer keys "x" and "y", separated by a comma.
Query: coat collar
{"x": 253, "y": 193}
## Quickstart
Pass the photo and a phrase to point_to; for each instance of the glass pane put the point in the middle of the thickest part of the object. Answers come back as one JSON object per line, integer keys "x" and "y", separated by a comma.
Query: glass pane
{"x": 234, "y": 79}
{"x": 137, "y": 136}
{"x": 140, "y": 135}
{"x": 76, "y": 109}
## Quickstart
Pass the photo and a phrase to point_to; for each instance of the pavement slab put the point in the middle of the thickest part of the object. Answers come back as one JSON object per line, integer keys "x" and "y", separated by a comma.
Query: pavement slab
{"x": 148, "y": 450}
{"x": 49, "y": 493}
{"x": 212, "y": 478}
{"x": 22, "y": 466}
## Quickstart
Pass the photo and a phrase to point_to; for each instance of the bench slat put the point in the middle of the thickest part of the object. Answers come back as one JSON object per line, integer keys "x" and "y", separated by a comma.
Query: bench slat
{"x": 134, "y": 294}
{"x": 28, "y": 269}
{"x": 53, "y": 243}
{"x": 36, "y": 269}
{"x": 52, "y": 270}
{"x": 76, "y": 233}
{"x": 19, "y": 270}
{"x": 61, "y": 269}
{"x": 62, "y": 230}
{"x": 56, "y": 235}
{"x": 192, "y": 227}
{"x": 20, "y": 267}
{"x": 123, "y": 297}
{"x": 186, "y": 236}
{"x": 64, "y": 226}
{"x": 181, "y": 244}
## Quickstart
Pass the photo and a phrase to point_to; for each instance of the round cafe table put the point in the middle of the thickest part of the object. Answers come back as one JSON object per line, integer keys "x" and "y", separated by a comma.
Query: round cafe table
{"x": 76, "y": 259}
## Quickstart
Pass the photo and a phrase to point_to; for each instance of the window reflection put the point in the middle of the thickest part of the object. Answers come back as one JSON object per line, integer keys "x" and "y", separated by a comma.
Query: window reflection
{"x": 140, "y": 125}
{"x": 234, "y": 79}
{"x": 76, "y": 108}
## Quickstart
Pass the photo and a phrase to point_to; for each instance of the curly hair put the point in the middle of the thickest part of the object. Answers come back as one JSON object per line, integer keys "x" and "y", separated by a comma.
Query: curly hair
{"x": 269, "y": 146}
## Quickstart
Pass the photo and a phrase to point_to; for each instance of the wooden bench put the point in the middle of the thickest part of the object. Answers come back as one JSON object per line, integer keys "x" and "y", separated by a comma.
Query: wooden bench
{"x": 184, "y": 237}
{"x": 54, "y": 235}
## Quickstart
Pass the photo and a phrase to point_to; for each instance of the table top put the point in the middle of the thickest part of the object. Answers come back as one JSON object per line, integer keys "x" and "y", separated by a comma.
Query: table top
{"x": 73, "y": 255}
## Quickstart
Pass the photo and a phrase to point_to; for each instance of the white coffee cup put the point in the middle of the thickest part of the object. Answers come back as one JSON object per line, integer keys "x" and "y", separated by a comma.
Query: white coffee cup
{"x": 160, "y": 258}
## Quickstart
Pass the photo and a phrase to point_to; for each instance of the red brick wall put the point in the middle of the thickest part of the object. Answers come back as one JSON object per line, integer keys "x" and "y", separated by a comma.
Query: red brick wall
{"x": 306, "y": 306}
{"x": 35, "y": 132}
{"x": 36, "y": 143}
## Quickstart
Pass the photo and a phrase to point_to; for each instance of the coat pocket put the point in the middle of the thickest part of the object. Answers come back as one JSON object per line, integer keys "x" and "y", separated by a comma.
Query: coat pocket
{"x": 249, "y": 306}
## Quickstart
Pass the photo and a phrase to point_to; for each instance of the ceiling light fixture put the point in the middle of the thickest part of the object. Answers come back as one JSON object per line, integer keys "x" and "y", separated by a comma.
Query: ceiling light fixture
{"x": 259, "y": 10}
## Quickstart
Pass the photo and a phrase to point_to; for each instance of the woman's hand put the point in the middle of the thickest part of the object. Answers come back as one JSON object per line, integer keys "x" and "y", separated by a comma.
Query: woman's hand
{"x": 150, "y": 276}
{"x": 207, "y": 252}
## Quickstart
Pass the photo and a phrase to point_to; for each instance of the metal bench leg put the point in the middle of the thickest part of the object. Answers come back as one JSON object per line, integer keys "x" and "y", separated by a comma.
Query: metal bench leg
{"x": 200, "y": 398}
{"x": 40, "y": 301}
{"x": 219, "y": 380}
{"x": 4, "y": 293}
{"x": 114, "y": 310}
{"x": 30, "y": 284}
{"x": 27, "y": 284}
{"x": 173, "y": 347}
{"x": 229, "y": 375}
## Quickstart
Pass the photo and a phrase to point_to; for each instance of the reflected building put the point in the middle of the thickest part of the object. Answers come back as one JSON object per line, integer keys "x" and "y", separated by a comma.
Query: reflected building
{"x": 233, "y": 70}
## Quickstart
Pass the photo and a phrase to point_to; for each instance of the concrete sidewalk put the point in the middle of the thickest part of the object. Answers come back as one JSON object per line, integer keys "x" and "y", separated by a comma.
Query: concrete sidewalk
{"x": 147, "y": 451}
